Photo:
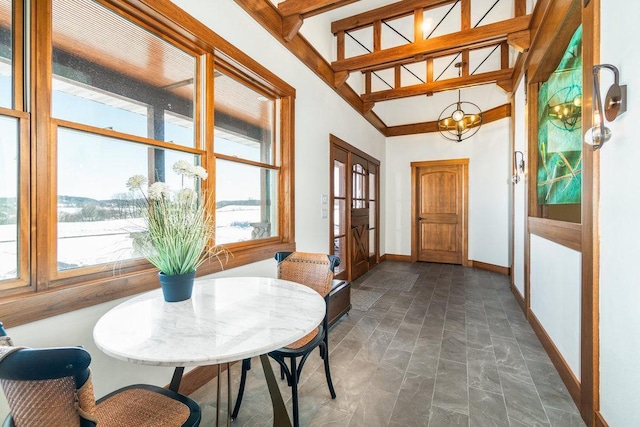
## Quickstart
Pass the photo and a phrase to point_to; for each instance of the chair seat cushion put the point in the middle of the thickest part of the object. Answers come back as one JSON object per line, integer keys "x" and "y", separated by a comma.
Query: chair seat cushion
{"x": 141, "y": 407}
{"x": 304, "y": 340}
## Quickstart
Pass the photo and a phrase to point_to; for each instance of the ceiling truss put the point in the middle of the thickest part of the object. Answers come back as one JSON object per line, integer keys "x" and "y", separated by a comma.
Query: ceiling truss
{"x": 285, "y": 20}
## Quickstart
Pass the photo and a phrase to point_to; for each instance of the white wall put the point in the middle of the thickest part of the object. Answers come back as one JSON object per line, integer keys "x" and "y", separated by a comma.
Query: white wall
{"x": 489, "y": 188}
{"x": 319, "y": 112}
{"x": 555, "y": 285}
{"x": 520, "y": 191}
{"x": 619, "y": 225}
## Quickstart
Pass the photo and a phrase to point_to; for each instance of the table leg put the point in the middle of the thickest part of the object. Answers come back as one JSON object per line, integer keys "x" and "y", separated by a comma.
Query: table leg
{"x": 175, "y": 380}
{"x": 218, "y": 397}
{"x": 228, "y": 395}
{"x": 280, "y": 414}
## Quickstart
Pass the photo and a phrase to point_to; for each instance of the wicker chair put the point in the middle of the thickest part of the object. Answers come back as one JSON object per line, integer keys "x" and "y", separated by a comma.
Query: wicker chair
{"x": 52, "y": 387}
{"x": 316, "y": 272}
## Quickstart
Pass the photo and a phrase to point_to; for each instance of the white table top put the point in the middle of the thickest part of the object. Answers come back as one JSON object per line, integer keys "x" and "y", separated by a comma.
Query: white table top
{"x": 225, "y": 320}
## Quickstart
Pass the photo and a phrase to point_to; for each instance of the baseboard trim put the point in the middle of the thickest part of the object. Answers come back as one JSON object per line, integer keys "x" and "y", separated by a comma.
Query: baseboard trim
{"x": 567, "y": 376}
{"x": 600, "y": 421}
{"x": 519, "y": 298}
{"x": 392, "y": 257}
{"x": 199, "y": 376}
{"x": 491, "y": 267}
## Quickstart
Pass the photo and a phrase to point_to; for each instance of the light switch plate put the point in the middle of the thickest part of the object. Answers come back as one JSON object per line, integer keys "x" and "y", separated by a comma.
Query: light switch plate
{"x": 324, "y": 199}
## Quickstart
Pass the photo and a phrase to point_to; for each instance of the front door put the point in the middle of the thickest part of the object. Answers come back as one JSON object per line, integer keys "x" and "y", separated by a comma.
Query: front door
{"x": 355, "y": 214}
{"x": 359, "y": 217}
{"x": 440, "y": 191}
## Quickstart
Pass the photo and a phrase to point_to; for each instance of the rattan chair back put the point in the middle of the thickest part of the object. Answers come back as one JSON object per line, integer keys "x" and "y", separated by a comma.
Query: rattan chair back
{"x": 310, "y": 269}
{"x": 53, "y": 387}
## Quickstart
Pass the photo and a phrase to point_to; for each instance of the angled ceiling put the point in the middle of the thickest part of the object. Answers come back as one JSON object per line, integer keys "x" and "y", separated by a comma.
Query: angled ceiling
{"x": 394, "y": 61}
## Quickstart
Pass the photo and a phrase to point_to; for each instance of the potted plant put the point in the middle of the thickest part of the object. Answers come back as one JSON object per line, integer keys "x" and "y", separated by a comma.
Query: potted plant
{"x": 179, "y": 229}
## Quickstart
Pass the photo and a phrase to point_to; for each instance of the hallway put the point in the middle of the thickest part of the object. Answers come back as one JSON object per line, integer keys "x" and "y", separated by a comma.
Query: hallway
{"x": 443, "y": 345}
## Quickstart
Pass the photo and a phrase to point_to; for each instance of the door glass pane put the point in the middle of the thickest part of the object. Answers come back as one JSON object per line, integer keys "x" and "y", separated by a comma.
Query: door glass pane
{"x": 372, "y": 214}
{"x": 6, "y": 54}
{"x": 372, "y": 186}
{"x": 98, "y": 217}
{"x": 244, "y": 120}
{"x": 340, "y": 250}
{"x": 9, "y": 206}
{"x": 339, "y": 179}
{"x": 246, "y": 202}
{"x": 339, "y": 217}
{"x": 102, "y": 79}
{"x": 372, "y": 242}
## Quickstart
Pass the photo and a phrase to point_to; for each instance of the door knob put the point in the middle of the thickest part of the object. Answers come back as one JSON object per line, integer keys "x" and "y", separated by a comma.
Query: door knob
{"x": 420, "y": 218}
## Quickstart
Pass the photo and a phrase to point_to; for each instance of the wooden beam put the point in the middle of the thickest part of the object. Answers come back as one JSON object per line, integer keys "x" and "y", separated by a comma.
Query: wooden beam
{"x": 504, "y": 55}
{"x": 465, "y": 20}
{"x": 266, "y": 14}
{"x": 367, "y": 82}
{"x": 290, "y": 26}
{"x": 418, "y": 19}
{"x": 398, "y": 77}
{"x": 377, "y": 36}
{"x": 440, "y": 86}
{"x": 340, "y": 78}
{"x": 452, "y": 43}
{"x": 558, "y": 21}
{"x": 394, "y": 10}
{"x": 367, "y": 107}
{"x": 506, "y": 85}
{"x": 488, "y": 116}
{"x": 521, "y": 40}
{"x": 520, "y": 7}
{"x": 309, "y": 8}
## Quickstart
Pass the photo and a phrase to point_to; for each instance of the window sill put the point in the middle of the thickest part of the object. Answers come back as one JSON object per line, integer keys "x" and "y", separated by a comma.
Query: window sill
{"x": 25, "y": 308}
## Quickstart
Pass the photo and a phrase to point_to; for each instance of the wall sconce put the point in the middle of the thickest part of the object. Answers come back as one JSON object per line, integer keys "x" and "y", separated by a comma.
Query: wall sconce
{"x": 614, "y": 104}
{"x": 518, "y": 166}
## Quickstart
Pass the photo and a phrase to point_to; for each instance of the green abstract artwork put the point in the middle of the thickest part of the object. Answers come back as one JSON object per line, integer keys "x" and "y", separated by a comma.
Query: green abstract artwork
{"x": 560, "y": 130}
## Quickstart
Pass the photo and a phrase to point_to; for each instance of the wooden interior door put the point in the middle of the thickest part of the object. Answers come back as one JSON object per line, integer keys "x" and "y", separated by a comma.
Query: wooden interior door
{"x": 359, "y": 216}
{"x": 440, "y": 213}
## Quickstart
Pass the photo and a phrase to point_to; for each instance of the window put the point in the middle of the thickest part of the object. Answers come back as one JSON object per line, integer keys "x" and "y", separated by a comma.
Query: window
{"x": 105, "y": 94}
{"x": 9, "y": 198}
{"x": 6, "y": 54}
{"x": 116, "y": 91}
{"x": 245, "y": 140}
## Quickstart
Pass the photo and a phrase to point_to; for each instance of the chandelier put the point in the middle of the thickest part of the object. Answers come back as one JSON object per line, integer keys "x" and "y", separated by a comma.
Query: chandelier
{"x": 460, "y": 120}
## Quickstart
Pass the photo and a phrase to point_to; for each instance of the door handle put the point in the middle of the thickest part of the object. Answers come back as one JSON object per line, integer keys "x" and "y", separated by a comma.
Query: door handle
{"x": 420, "y": 218}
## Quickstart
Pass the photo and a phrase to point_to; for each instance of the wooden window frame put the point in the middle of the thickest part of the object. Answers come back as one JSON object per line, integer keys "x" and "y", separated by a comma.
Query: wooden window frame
{"x": 42, "y": 295}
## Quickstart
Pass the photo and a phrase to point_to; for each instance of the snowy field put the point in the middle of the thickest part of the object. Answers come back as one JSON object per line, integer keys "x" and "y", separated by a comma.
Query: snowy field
{"x": 108, "y": 243}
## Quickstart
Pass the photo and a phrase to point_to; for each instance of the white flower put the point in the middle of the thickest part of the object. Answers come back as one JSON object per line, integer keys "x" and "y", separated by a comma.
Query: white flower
{"x": 158, "y": 190}
{"x": 186, "y": 195}
{"x": 136, "y": 181}
{"x": 182, "y": 167}
{"x": 200, "y": 172}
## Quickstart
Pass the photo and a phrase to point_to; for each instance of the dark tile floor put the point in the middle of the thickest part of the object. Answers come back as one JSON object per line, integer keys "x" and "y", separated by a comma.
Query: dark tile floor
{"x": 454, "y": 350}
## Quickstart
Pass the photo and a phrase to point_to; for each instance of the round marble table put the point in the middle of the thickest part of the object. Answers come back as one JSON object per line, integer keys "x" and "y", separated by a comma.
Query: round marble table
{"x": 226, "y": 319}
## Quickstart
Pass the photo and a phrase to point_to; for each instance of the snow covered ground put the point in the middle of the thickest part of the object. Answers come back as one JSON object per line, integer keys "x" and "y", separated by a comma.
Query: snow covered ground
{"x": 108, "y": 243}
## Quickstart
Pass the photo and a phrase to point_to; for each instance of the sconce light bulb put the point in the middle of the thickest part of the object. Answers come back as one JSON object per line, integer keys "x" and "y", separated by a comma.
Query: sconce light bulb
{"x": 594, "y": 137}
{"x": 577, "y": 101}
{"x": 596, "y": 118}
